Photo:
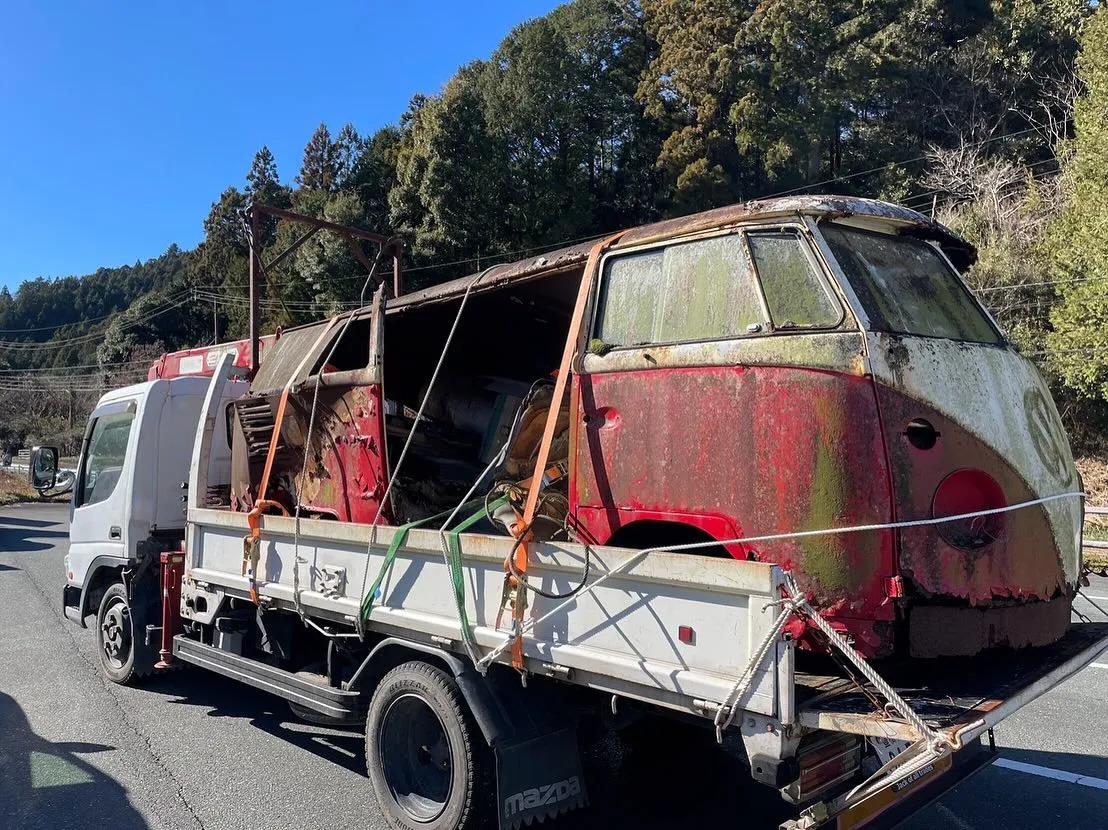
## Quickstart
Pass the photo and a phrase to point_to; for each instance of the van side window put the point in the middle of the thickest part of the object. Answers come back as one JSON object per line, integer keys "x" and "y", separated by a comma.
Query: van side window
{"x": 700, "y": 290}
{"x": 107, "y": 447}
{"x": 794, "y": 292}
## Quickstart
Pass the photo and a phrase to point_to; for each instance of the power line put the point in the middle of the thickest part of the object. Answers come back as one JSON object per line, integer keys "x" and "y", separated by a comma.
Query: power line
{"x": 33, "y": 346}
{"x": 893, "y": 164}
{"x": 51, "y": 369}
{"x": 920, "y": 200}
{"x": 23, "y": 345}
{"x": 1018, "y": 286}
{"x": 538, "y": 249}
{"x": 245, "y": 301}
{"x": 79, "y": 322}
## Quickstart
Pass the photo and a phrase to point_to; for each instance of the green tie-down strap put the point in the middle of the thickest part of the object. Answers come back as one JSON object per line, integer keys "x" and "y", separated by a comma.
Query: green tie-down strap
{"x": 453, "y": 557}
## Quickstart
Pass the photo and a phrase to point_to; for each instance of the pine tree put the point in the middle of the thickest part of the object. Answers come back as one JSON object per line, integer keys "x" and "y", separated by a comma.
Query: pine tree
{"x": 319, "y": 170}
{"x": 348, "y": 148}
{"x": 263, "y": 187}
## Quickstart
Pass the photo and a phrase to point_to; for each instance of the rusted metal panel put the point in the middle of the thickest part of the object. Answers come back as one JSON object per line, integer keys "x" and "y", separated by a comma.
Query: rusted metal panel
{"x": 765, "y": 450}
{"x": 575, "y": 255}
{"x": 1024, "y": 561}
{"x": 510, "y": 272}
{"x": 282, "y": 359}
{"x": 346, "y": 475}
{"x": 946, "y": 631}
{"x": 818, "y": 206}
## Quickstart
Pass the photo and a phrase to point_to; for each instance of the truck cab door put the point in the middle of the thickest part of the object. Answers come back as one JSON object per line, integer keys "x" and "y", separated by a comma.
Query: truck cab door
{"x": 98, "y": 516}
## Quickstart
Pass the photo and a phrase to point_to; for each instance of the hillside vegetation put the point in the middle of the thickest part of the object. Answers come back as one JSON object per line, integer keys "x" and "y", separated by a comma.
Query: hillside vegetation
{"x": 609, "y": 113}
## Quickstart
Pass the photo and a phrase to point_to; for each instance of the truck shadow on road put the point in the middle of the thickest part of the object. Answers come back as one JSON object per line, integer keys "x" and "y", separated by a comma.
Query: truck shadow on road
{"x": 681, "y": 779}
{"x": 226, "y": 699}
{"x": 29, "y": 535}
{"x": 46, "y": 785}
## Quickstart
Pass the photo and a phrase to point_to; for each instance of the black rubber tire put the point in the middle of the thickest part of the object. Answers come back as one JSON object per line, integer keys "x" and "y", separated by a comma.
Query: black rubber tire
{"x": 117, "y": 625}
{"x": 467, "y": 798}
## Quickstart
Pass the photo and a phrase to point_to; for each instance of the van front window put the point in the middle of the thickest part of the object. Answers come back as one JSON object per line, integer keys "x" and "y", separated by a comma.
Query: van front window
{"x": 906, "y": 287}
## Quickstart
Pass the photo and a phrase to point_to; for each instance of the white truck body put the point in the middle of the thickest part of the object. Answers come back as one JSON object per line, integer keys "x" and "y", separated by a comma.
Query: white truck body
{"x": 620, "y": 638}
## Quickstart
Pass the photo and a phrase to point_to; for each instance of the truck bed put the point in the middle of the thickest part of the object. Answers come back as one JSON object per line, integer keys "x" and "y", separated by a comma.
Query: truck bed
{"x": 622, "y": 637}
{"x": 959, "y": 695}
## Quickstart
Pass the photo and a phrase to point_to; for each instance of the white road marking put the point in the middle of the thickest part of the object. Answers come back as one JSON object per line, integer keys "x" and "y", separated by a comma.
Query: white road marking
{"x": 1056, "y": 774}
{"x": 1090, "y": 596}
{"x": 1099, "y": 665}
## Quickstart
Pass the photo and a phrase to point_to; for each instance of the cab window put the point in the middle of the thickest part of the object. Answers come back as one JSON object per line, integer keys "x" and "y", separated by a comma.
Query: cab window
{"x": 699, "y": 290}
{"x": 906, "y": 287}
{"x": 107, "y": 448}
{"x": 796, "y": 295}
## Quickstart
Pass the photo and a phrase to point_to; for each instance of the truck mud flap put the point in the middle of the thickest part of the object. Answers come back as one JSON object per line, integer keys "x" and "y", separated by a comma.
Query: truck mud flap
{"x": 335, "y": 703}
{"x": 538, "y": 778}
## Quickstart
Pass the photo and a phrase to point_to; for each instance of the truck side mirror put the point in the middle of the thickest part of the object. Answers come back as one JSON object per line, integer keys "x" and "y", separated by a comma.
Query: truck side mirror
{"x": 42, "y": 469}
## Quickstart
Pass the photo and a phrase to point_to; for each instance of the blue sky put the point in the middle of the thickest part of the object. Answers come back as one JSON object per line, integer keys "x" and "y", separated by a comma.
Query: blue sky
{"x": 141, "y": 113}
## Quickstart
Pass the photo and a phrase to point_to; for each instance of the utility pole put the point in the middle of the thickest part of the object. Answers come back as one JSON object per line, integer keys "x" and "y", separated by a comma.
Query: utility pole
{"x": 215, "y": 324}
{"x": 255, "y": 287}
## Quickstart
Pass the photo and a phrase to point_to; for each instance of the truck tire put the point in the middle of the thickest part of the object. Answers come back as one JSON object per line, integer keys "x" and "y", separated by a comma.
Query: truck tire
{"x": 428, "y": 763}
{"x": 124, "y": 658}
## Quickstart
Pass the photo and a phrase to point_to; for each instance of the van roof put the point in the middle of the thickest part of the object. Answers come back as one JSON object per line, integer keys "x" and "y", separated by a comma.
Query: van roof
{"x": 960, "y": 252}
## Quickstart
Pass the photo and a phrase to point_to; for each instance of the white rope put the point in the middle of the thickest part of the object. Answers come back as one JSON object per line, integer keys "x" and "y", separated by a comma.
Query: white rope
{"x": 728, "y": 706}
{"x": 592, "y": 586}
{"x": 297, "y": 604}
{"x": 904, "y": 765}
{"x": 444, "y": 543}
{"x": 796, "y": 602}
{"x": 638, "y": 556}
{"x": 411, "y": 433}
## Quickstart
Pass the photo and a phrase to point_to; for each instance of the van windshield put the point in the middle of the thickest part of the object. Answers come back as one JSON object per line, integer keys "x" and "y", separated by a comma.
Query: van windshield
{"x": 906, "y": 287}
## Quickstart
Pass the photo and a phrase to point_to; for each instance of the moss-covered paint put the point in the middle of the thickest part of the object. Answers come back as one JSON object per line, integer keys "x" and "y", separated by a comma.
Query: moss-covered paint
{"x": 757, "y": 449}
{"x": 826, "y": 560}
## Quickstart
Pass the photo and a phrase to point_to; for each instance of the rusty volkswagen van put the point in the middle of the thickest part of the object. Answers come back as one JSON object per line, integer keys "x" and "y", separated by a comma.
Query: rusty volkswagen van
{"x": 776, "y": 367}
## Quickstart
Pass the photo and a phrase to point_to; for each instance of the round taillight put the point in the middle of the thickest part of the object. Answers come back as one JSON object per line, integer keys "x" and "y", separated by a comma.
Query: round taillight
{"x": 969, "y": 491}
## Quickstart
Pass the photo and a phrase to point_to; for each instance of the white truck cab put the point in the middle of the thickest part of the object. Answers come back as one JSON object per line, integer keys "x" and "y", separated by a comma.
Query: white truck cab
{"x": 127, "y": 498}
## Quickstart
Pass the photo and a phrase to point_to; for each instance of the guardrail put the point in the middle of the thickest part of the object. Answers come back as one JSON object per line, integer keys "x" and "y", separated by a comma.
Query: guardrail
{"x": 1097, "y": 544}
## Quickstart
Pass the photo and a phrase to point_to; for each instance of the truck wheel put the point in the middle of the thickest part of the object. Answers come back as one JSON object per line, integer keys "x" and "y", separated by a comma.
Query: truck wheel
{"x": 427, "y": 761}
{"x": 123, "y": 659}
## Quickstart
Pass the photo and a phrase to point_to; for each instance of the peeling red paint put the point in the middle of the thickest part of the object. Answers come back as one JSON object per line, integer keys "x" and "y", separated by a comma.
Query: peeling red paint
{"x": 762, "y": 449}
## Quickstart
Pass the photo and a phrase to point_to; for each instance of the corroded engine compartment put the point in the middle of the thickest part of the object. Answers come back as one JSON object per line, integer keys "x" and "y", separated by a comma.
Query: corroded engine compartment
{"x": 494, "y": 384}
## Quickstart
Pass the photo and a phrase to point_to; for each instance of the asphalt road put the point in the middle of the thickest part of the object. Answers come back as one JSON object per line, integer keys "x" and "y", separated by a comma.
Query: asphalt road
{"x": 192, "y": 750}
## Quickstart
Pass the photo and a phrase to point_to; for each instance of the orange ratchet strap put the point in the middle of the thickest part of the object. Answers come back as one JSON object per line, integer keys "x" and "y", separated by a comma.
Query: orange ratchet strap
{"x": 523, "y": 526}
{"x": 251, "y": 545}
